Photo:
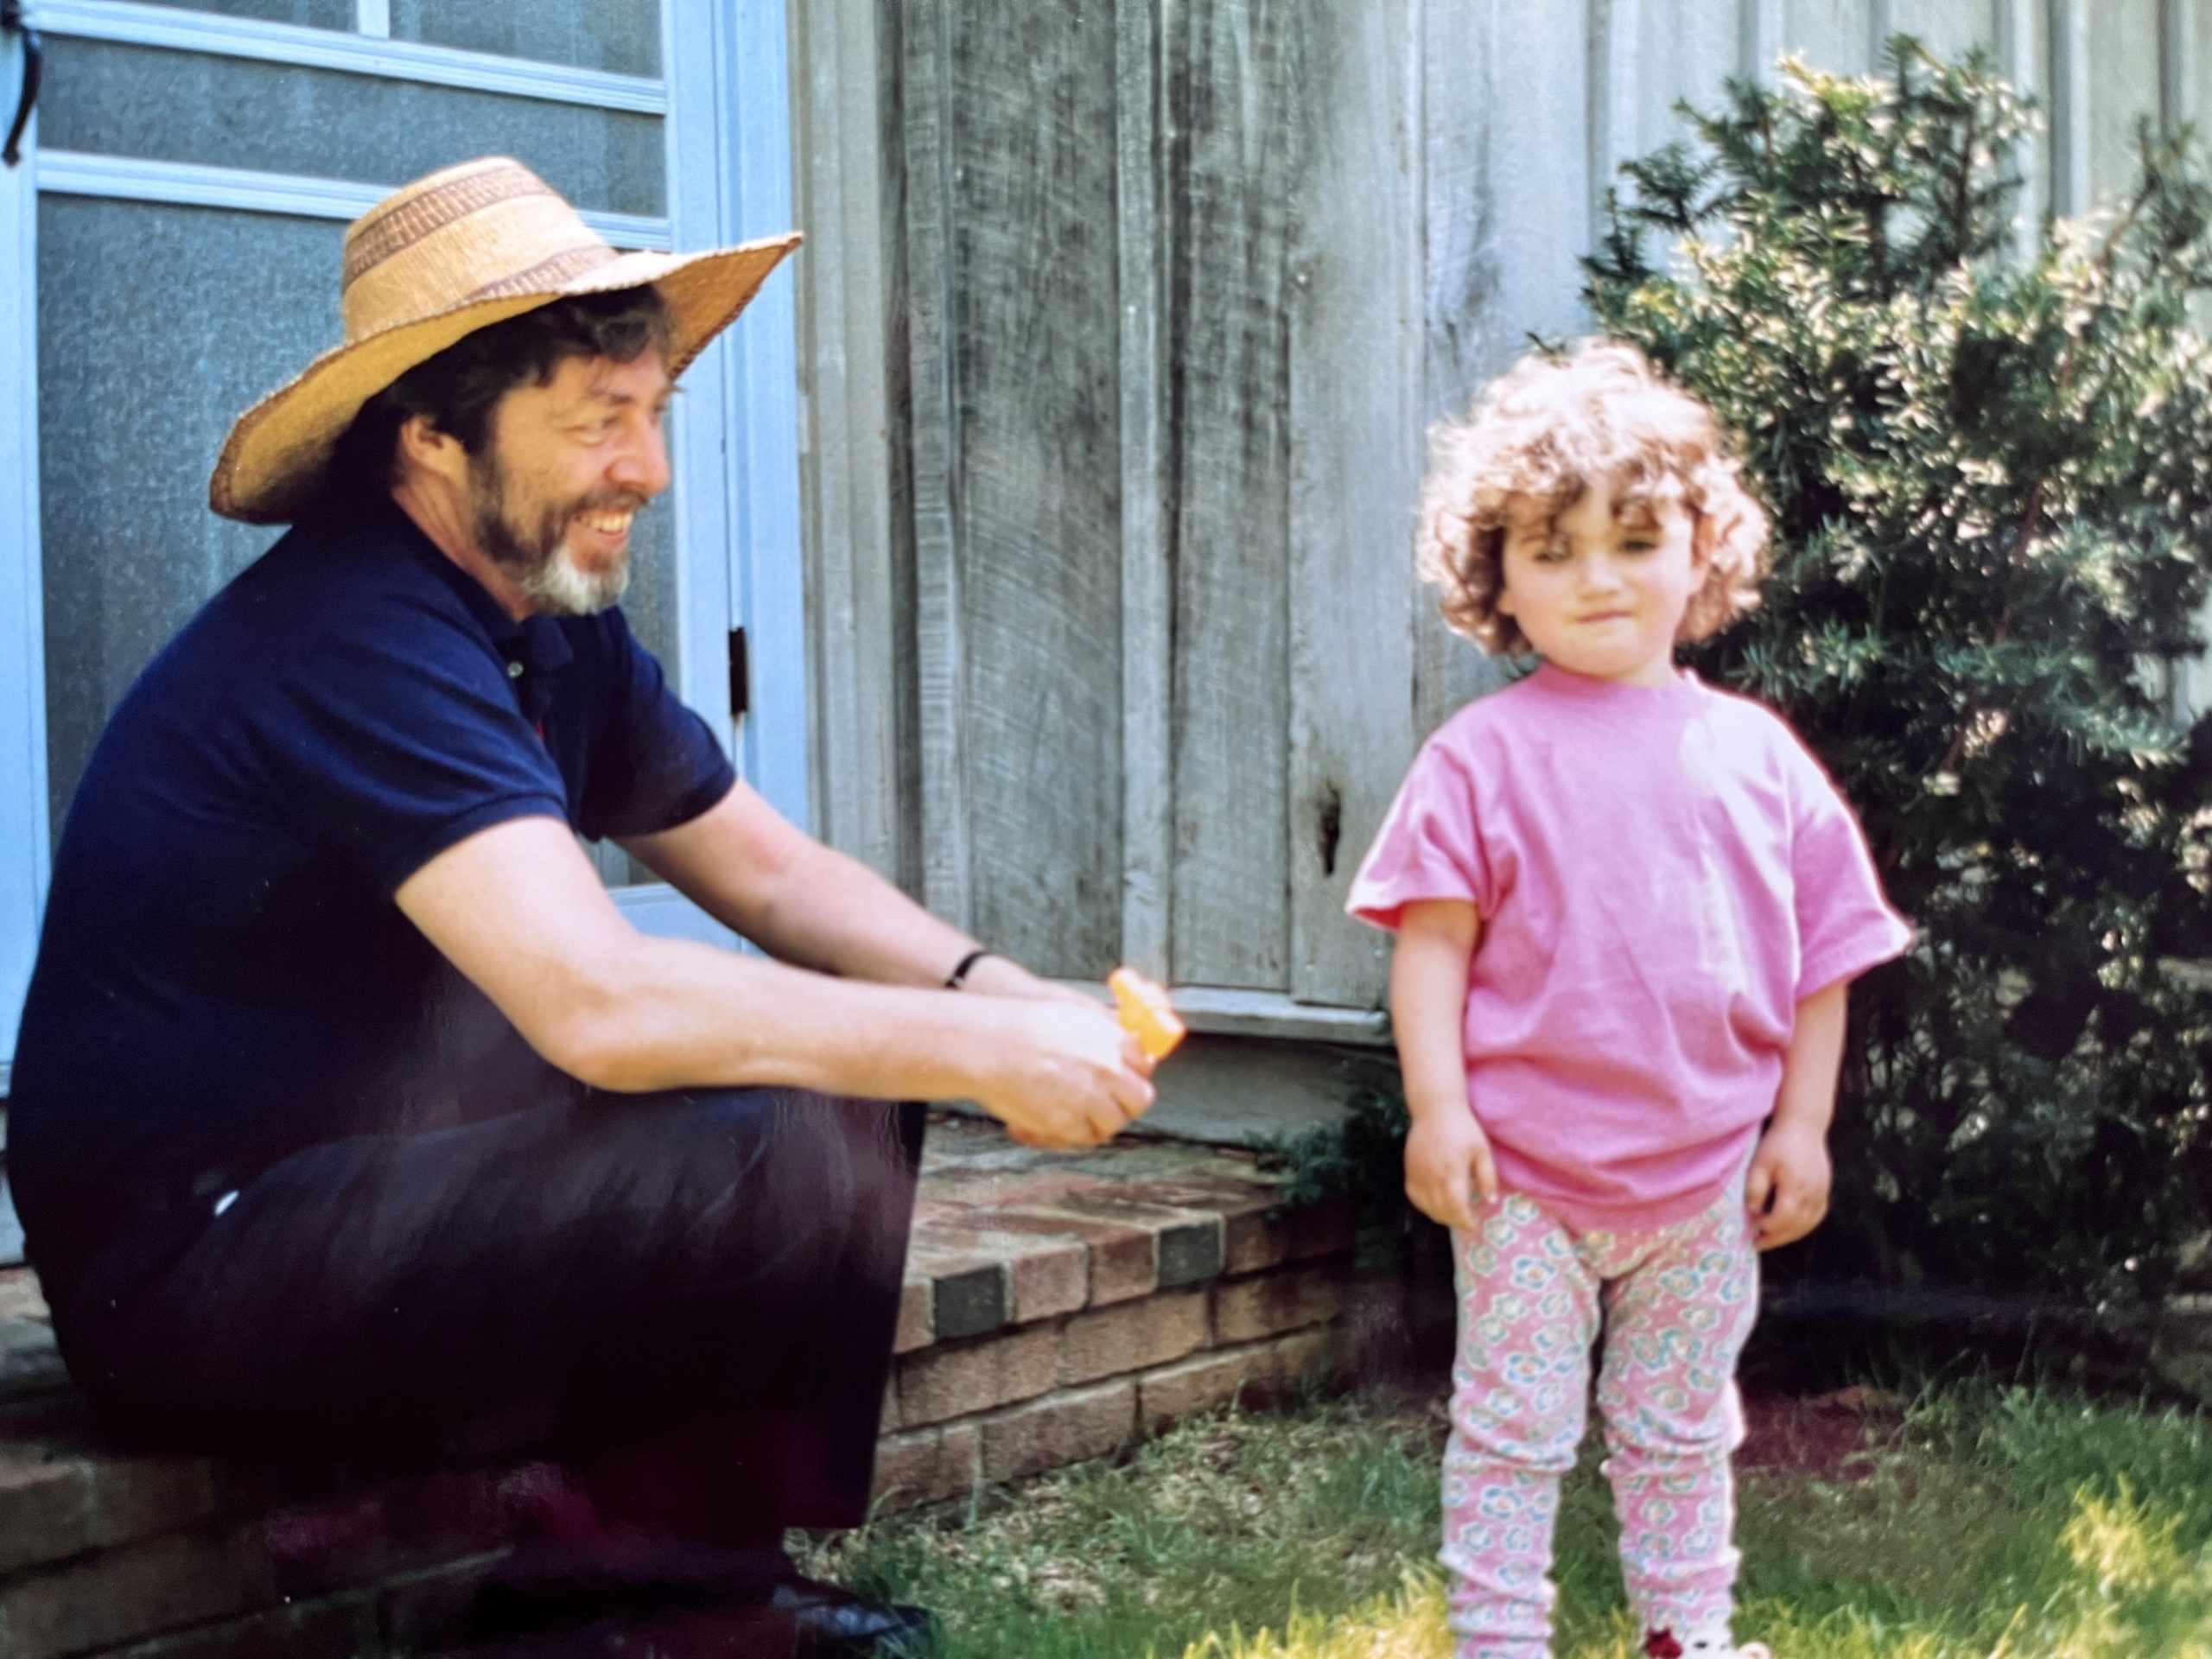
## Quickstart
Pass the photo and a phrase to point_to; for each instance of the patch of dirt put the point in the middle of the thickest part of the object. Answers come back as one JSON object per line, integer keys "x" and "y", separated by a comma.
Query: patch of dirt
{"x": 1835, "y": 1436}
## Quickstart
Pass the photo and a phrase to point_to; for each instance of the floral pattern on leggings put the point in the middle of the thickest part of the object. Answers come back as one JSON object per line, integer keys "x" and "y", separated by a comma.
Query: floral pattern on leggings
{"x": 1674, "y": 1306}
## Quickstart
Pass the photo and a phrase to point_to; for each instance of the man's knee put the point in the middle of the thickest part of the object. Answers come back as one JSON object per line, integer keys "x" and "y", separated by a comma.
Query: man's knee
{"x": 787, "y": 1172}
{"x": 768, "y": 1163}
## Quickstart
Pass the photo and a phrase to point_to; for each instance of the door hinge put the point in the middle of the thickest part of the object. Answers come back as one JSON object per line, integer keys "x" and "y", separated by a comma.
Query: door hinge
{"x": 740, "y": 676}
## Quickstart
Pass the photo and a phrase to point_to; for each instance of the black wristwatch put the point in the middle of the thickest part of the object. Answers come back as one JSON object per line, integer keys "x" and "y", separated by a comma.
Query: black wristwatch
{"x": 958, "y": 976}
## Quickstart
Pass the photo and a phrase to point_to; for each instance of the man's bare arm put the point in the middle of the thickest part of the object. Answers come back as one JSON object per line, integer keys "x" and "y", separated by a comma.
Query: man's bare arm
{"x": 748, "y": 867}
{"x": 519, "y": 911}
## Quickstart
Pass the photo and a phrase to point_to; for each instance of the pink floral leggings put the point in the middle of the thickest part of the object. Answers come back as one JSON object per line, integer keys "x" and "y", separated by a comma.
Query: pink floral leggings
{"x": 1675, "y": 1306}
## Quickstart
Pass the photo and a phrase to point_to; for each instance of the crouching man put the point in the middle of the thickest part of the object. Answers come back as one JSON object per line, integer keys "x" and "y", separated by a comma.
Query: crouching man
{"x": 350, "y": 1114}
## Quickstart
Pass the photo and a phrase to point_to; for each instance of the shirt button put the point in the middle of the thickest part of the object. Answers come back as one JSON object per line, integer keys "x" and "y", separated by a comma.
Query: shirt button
{"x": 514, "y": 670}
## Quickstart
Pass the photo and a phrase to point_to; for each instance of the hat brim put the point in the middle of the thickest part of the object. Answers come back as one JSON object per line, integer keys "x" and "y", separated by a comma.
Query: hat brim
{"x": 271, "y": 465}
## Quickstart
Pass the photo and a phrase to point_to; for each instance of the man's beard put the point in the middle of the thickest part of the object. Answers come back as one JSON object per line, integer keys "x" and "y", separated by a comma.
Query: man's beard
{"x": 538, "y": 554}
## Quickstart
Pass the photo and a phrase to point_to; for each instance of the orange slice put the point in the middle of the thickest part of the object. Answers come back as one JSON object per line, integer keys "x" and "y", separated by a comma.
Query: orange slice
{"x": 1145, "y": 1011}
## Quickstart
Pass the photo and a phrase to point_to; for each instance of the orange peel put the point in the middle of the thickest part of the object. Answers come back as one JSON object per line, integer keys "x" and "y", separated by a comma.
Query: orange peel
{"x": 1145, "y": 1012}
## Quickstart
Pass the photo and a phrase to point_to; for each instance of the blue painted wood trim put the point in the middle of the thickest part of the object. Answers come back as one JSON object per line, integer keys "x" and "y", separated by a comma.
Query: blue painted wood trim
{"x": 768, "y": 577}
{"x": 699, "y": 441}
{"x": 62, "y": 172}
{"x": 713, "y": 434}
{"x": 133, "y": 24}
{"x": 373, "y": 18}
{"x": 23, "y": 830}
{"x": 729, "y": 179}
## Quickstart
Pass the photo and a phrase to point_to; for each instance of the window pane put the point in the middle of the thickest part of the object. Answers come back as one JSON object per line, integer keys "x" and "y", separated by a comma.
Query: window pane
{"x": 620, "y": 35}
{"x": 271, "y": 117}
{"x": 312, "y": 14}
{"x": 152, "y": 339}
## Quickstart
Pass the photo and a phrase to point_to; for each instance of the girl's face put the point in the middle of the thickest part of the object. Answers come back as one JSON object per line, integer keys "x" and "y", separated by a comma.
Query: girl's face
{"x": 1601, "y": 589}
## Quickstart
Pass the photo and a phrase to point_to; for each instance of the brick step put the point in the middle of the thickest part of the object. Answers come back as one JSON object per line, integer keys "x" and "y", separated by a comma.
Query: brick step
{"x": 1056, "y": 1309}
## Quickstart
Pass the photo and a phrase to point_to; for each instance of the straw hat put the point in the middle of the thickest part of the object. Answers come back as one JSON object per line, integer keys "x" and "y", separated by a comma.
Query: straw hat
{"x": 466, "y": 247}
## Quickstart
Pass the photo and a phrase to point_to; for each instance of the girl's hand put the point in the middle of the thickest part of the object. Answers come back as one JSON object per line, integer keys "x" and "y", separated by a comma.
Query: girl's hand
{"x": 1787, "y": 1190}
{"x": 1447, "y": 1163}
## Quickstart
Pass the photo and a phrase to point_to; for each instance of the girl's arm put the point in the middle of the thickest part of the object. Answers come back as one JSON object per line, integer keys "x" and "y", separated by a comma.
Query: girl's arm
{"x": 1448, "y": 1154}
{"x": 1787, "y": 1191}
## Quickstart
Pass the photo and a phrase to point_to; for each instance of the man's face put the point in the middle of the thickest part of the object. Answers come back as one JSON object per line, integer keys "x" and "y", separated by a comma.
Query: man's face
{"x": 565, "y": 467}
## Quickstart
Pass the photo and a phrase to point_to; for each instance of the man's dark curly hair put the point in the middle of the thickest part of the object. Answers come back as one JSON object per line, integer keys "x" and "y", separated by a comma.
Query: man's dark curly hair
{"x": 458, "y": 388}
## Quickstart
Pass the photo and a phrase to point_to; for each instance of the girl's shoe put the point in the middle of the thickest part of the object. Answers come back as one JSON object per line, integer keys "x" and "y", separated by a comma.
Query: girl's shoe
{"x": 1715, "y": 1644}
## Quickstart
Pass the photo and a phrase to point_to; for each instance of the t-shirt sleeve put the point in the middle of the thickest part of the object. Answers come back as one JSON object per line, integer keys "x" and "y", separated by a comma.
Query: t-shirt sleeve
{"x": 656, "y": 764}
{"x": 397, "y": 737}
{"x": 1429, "y": 846}
{"x": 1845, "y": 925}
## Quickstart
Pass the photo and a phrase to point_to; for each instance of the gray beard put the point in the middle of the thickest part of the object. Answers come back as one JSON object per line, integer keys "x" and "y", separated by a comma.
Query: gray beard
{"x": 555, "y": 584}
{"x": 549, "y": 577}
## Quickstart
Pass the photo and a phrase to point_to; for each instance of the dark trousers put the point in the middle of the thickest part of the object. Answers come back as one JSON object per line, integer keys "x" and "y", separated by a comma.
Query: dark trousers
{"x": 579, "y": 1277}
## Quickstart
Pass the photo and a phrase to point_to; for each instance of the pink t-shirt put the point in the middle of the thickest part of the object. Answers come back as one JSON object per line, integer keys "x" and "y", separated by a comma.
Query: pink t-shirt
{"x": 1663, "y": 873}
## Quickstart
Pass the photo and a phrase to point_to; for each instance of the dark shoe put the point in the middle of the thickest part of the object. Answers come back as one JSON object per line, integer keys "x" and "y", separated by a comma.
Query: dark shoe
{"x": 548, "y": 1584}
{"x": 835, "y": 1624}
{"x": 735, "y": 1633}
{"x": 545, "y": 1591}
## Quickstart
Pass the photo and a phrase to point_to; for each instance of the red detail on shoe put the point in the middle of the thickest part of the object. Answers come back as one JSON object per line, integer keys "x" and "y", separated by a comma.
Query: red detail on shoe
{"x": 1661, "y": 1644}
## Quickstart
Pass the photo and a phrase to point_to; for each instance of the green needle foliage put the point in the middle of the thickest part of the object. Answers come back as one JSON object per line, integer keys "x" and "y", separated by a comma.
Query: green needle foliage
{"x": 1988, "y": 454}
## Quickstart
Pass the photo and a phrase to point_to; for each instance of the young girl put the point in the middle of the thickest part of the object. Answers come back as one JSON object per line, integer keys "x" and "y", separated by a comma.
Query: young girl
{"x": 1627, "y": 907}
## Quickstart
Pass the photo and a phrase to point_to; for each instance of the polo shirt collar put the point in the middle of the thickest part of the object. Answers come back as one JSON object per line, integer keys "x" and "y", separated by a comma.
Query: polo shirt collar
{"x": 539, "y": 642}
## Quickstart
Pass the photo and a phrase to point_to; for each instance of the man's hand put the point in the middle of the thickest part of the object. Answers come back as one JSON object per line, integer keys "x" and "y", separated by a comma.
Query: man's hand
{"x": 997, "y": 976}
{"x": 1064, "y": 1074}
{"x": 1447, "y": 1163}
{"x": 1786, "y": 1193}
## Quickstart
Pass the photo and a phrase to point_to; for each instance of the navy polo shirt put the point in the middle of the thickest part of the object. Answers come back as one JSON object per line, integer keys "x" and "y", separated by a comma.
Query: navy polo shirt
{"x": 223, "y": 977}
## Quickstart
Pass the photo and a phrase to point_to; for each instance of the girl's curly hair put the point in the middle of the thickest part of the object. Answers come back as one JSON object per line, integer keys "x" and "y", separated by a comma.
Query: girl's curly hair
{"x": 1538, "y": 437}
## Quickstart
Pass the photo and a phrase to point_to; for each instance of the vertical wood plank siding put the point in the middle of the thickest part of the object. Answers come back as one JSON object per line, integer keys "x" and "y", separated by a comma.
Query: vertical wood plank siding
{"x": 1147, "y": 571}
{"x": 2126, "y": 83}
{"x": 2194, "y": 22}
{"x": 1462, "y": 123}
{"x": 858, "y": 609}
{"x": 1233, "y": 150}
{"x": 934, "y": 289}
{"x": 1036, "y": 378}
{"x": 1171, "y": 290}
{"x": 1354, "y": 369}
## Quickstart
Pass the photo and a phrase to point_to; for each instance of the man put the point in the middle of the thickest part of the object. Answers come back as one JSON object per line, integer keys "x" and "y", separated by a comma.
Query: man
{"x": 349, "y": 1112}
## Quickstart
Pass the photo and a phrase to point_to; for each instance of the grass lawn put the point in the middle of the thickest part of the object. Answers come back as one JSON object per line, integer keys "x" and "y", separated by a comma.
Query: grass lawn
{"x": 1995, "y": 1524}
